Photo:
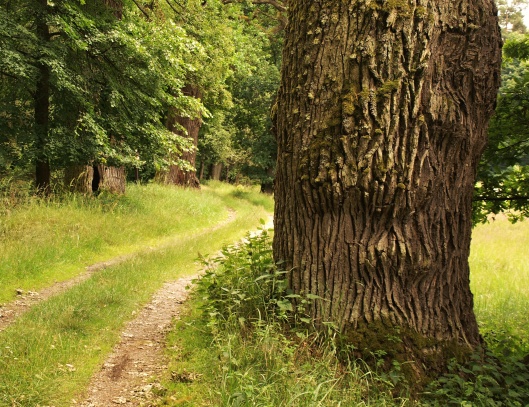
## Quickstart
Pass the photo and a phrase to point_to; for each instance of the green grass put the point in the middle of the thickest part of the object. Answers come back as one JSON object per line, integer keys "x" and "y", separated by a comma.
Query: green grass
{"x": 499, "y": 263}
{"x": 238, "y": 362}
{"x": 53, "y": 241}
{"x": 238, "y": 347}
{"x": 48, "y": 356}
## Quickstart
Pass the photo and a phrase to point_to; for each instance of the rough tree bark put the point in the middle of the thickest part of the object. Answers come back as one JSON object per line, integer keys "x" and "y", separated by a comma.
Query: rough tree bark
{"x": 87, "y": 179}
{"x": 78, "y": 178}
{"x": 380, "y": 119}
{"x": 111, "y": 179}
{"x": 176, "y": 175}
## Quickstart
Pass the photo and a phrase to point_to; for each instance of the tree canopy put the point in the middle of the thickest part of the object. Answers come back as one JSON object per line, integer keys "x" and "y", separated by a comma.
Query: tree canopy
{"x": 91, "y": 82}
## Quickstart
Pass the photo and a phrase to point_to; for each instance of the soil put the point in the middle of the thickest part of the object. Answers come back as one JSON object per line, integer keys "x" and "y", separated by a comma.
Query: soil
{"x": 128, "y": 375}
{"x": 26, "y": 299}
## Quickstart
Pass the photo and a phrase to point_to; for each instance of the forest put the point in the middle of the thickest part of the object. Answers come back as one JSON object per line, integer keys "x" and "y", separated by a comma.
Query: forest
{"x": 388, "y": 138}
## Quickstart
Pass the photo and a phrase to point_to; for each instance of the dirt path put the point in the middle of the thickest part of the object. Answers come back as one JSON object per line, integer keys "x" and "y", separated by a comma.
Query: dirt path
{"x": 126, "y": 376}
{"x": 25, "y": 300}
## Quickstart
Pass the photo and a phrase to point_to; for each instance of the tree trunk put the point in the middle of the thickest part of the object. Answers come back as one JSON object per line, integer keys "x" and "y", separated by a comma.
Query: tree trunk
{"x": 176, "y": 175}
{"x": 381, "y": 119}
{"x": 111, "y": 179}
{"x": 78, "y": 178}
{"x": 42, "y": 108}
{"x": 215, "y": 171}
{"x": 267, "y": 187}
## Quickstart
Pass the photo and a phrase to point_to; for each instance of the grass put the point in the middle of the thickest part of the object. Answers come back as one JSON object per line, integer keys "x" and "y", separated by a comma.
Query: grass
{"x": 240, "y": 353}
{"x": 53, "y": 240}
{"x": 499, "y": 264}
{"x": 48, "y": 356}
{"x": 234, "y": 340}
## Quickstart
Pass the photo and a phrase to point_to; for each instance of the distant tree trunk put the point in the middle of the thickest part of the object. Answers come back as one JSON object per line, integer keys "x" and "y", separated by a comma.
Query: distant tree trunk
{"x": 216, "y": 171}
{"x": 78, "y": 178}
{"x": 95, "y": 178}
{"x": 381, "y": 119}
{"x": 267, "y": 187}
{"x": 116, "y": 6}
{"x": 42, "y": 108}
{"x": 111, "y": 179}
{"x": 201, "y": 176}
{"x": 176, "y": 175}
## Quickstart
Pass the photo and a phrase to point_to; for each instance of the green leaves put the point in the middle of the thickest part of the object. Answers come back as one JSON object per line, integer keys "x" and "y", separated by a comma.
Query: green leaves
{"x": 503, "y": 175}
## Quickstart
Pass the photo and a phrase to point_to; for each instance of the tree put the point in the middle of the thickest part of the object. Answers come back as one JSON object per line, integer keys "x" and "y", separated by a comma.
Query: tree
{"x": 381, "y": 118}
{"x": 92, "y": 88}
{"x": 503, "y": 176}
{"x": 511, "y": 15}
{"x": 237, "y": 137}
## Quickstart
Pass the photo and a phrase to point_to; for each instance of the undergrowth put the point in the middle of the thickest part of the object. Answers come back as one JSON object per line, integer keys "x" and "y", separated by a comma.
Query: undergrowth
{"x": 266, "y": 352}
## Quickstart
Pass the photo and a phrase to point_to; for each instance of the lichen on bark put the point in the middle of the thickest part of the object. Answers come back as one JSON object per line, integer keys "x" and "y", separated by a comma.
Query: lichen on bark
{"x": 381, "y": 119}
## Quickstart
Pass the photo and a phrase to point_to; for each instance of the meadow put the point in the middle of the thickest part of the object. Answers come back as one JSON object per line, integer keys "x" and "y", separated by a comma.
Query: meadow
{"x": 232, "y": 339}
{"x": 48, "y": 355}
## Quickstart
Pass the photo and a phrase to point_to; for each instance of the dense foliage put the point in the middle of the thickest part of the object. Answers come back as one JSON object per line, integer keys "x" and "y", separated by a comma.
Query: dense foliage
{"x": 503, "y": 177}
{"x": 93, "y": 82}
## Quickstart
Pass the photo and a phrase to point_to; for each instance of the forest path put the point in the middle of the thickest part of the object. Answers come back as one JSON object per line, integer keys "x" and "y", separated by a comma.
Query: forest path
{"x": 127, "y": 375}
{"x": 130, "y": 373}
{"x": 25, "y": 300}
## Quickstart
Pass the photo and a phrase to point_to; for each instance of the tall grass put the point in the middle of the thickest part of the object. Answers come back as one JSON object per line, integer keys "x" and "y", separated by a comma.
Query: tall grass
{"x": 499, "y": 262}
{"x": 52, "y": 240}
{"x": 261, "y": 356}
{"x": 241, "y": 347}
{"x": 48, "y": 356}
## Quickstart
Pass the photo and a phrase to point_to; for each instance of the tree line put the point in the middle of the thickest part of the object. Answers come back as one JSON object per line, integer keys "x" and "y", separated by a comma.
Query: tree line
{"x": 99, "y": 85}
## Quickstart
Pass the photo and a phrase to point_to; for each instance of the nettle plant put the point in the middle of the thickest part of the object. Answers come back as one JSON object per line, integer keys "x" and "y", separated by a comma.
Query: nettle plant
{"x": 243, "y": 285}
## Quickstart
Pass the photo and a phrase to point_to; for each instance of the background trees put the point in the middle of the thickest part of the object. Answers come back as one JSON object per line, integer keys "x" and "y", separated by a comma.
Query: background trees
{"x": 503, "y": 185}
{"x": 80, "y": 86}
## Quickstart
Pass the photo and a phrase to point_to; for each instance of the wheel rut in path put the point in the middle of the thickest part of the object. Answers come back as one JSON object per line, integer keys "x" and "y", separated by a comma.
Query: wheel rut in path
{"x": 25, "y": 300}
{"x": 127, "y": 374}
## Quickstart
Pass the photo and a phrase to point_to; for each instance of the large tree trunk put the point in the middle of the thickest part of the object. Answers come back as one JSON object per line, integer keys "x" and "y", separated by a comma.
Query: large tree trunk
{"x": 215, "y": 172}
{"x": 42, "y": 108}
{"x": 381, "y": 119}
{"x": 176, "y": 175}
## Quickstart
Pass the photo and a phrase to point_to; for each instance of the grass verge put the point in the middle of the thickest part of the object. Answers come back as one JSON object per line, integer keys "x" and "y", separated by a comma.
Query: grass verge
{"x": 499, "y": 265}
{"x": 48, "y": 356}
{"x": 238, "y": 345}
{"x": 53, "y": 240}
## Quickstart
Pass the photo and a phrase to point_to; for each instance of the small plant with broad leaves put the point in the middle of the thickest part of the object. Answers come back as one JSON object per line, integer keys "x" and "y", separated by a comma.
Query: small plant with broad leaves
{"x": 485, "y": 380}
{"x": 243, "y": 284}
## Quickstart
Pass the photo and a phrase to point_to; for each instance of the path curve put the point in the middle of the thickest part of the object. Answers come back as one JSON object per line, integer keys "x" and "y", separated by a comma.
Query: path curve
{"x": 25, "y": 300}
{"x": 128, "y": 376}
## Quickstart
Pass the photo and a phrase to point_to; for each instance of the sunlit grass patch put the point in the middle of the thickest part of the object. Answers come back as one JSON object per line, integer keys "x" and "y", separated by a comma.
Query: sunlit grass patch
{"x": 48, "y": 356}
{"x": 499, "y": 263}
{"x": 46, "y": 241}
